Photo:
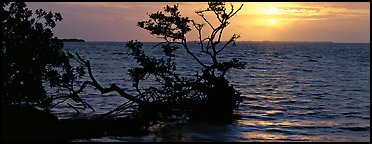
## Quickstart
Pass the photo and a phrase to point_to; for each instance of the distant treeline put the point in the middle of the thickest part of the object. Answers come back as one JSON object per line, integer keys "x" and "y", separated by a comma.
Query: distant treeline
{"x": 73, "y": 40}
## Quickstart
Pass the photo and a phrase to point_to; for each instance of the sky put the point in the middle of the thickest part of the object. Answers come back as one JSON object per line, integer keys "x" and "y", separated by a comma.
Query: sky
{"x": 344, "y": 22}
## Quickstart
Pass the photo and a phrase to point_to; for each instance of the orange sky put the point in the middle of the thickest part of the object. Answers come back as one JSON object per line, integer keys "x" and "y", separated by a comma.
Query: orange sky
{"x": 273, "y": 21}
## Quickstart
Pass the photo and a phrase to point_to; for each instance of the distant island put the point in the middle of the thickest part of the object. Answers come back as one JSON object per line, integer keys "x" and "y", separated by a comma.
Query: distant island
{"x": 73, "y": 40}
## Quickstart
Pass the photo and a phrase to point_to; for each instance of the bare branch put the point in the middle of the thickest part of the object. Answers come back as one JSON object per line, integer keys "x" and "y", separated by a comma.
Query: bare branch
{"x": 232, "y": 39}
{"x": 202, "y": 16}
{"x": 196, "y": 58}
{"x": 113, "y": 87}
{"x": 236, "y": 11}
{"x": 73, "y": 108}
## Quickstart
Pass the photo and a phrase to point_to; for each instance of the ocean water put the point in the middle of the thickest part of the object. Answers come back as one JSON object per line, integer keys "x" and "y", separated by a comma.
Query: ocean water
{"x": 292, "y": 91}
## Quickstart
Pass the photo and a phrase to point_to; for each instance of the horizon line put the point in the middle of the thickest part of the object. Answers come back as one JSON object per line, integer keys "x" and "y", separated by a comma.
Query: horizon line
{"x": 262, "y": 41}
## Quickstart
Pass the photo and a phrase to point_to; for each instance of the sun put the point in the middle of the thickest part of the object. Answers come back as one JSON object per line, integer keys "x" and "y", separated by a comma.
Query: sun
{"x": 271, "y": 21}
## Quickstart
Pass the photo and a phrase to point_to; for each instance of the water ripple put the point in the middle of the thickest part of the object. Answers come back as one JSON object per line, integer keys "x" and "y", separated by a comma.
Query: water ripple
{"x": 291, "y": 92}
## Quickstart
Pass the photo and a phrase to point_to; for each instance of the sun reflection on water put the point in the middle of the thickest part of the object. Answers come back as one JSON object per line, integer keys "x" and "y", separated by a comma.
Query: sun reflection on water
{"x": 293, "y": 123}
{"x": 262, "y": 137}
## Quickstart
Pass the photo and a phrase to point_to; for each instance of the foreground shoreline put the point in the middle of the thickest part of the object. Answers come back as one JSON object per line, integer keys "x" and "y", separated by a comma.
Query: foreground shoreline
{"x": 31, "y": 124}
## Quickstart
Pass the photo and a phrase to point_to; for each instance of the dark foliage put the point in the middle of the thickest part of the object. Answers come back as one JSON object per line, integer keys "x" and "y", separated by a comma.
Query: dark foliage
{"x": 31, "y": 57}
{"x": 205, "y": 96}
{"x": 202, "y": 97}
{"x": 26, "y": 123}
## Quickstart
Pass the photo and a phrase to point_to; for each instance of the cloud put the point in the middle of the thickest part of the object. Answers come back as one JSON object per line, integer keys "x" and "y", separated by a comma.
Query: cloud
{"x": 322, "y": 12}
{"x": 117, "y": 21}
{"x": 300, "y": 9}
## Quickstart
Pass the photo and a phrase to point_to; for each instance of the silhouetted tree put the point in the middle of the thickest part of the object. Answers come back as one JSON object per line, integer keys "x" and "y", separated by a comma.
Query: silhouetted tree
{"x": 32, "y": 57}
{"x": 218, "y": 99}
{"x": 206, "y": 96}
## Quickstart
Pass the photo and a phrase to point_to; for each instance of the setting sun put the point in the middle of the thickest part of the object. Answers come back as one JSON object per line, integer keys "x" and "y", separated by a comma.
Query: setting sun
{"x": 286, "y": 21}
{"x": 271, "y": 21}
{"x": 186, "y": 71}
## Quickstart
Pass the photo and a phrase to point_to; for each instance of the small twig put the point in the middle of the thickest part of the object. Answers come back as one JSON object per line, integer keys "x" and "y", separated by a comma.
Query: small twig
{"x": 73, "y": 108}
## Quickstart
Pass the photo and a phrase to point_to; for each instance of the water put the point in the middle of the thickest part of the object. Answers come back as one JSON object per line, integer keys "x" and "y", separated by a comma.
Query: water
{"x": 292, "y": 91}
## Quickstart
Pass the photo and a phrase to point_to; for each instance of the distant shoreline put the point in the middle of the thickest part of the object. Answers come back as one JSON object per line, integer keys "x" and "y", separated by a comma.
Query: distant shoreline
{"x": 72, "y": 40}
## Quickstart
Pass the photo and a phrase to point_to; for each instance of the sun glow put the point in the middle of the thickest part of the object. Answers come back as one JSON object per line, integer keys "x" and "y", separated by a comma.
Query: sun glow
{"x": 272, "y": 11}
{"x": 271, "y": 21}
